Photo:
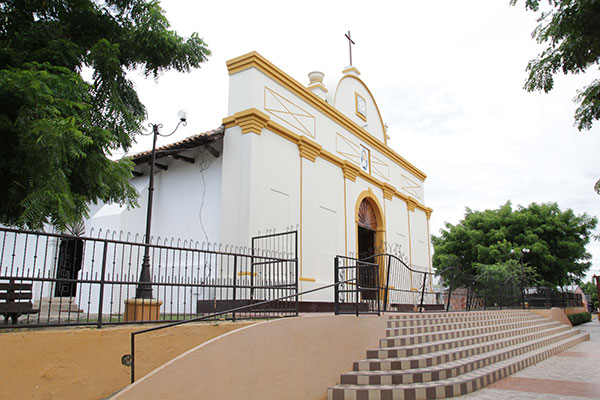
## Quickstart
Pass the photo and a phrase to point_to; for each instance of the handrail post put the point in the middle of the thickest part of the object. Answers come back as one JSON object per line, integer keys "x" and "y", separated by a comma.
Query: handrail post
{"x": 356, "y": 286}
{"x": 234, "y": 285}
{"x": 132, "y": 357}
{"x": 252, "y": 272}
{"x": 378, "y": 293}
{"x": 297, "y": 277}
{"x": 336, "y": 288}
{"x": 423, "y": 292}
{"x": 102, "y": 280}
{"x": 387, "y": 284}
{"x": 449, "y": 297}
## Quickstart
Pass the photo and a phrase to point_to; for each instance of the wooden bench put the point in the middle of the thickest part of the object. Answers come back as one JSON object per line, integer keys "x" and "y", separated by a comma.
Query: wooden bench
{"x": 15, "y": 300}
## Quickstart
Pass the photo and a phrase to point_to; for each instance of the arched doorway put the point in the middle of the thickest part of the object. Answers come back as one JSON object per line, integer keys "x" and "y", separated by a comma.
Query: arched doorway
{"x": 367, "y": 229}
{"x": 370, "y": 231}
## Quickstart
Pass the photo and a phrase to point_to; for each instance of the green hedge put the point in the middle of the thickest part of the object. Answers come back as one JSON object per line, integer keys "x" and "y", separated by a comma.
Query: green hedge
{"x": 580, "y": 318}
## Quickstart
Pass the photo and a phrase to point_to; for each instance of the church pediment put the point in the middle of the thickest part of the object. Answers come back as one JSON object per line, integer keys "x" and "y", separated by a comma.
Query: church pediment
{"x": 354, "y": 99}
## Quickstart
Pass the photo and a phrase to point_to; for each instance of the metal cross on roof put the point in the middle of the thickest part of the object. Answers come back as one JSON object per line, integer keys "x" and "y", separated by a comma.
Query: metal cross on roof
{"x": 350, "y": 43}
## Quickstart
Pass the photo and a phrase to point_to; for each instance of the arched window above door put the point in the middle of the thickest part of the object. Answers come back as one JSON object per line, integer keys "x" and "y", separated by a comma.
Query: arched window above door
{"x": 366, "y": 216}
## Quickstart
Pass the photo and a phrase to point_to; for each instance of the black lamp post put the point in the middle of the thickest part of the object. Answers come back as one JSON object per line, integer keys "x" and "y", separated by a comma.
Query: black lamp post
{"x": 144, "y": 288}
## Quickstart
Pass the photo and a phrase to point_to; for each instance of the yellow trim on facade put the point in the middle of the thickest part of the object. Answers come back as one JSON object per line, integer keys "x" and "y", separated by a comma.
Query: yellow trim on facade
{"x": 301, "y": 230}
{"x": 255, "y": 60}
{"x": 350, "y": 69}
{"x": 305, "y": 279}
{"x": 317, "y": 85}
{"x": 351, "y": 171}
{"x": 345, "y": 220}
{"x": 246, "y": 273}
{"x": 409, "y": 242}
{"x": 388, "y": 191}
{"x": 309, "y": 148}
{"x": 429, "y": 253}
{"x": 411, "y": 203}
{"x": 251, "y": 120}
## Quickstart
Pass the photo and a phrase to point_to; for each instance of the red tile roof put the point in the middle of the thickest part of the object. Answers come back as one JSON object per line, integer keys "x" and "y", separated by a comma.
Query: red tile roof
{"x": 185, "y": 144}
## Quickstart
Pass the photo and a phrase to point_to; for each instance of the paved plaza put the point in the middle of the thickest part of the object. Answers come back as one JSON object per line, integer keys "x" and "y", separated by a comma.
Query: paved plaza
{"x": 571, "y": 375}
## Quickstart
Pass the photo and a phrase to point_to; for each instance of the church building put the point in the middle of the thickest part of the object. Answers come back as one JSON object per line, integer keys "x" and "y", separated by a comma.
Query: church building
{"x": 311, "y": 157}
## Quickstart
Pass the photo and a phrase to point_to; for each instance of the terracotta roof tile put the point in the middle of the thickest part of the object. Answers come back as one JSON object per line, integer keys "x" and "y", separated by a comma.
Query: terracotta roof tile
{"x": 187, "y": 143}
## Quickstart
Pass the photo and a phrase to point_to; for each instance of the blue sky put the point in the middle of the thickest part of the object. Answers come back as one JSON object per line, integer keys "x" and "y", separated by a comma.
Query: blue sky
{"x": 448, "y": 80}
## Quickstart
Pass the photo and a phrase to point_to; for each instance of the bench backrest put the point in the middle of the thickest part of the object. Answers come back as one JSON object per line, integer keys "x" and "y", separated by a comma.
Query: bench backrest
{"x": 14, "y": 291}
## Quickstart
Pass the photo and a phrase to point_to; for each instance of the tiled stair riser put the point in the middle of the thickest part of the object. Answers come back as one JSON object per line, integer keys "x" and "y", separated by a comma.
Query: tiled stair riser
{"x": 469, "y": 314}
{"x": 445, "y": 335}
{"x": 400, "y": 323}
{"x": 461, "y": 360}
{"x": 451, "y": 368}
{"x": 412, "y": 330}
{"x": 430, "y": 347}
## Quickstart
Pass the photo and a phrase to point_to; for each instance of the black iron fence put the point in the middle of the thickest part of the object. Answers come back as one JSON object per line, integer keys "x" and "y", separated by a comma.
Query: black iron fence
{"x": 486, "y": 293}
{"x": 51, "y": 279}
{"x": 357, "y": 288}
{"x": 382, "y": 282}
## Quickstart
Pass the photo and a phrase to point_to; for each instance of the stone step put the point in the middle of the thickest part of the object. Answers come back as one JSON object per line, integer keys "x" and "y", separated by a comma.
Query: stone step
{"x": 457, "y": 363}
{"x": 396, "y": 341}
{"x": 455, "y": 386}
{"x": 430, "y": 347}
{"x": 449, "y": 326}
{"x": 398, "y": 323}
{"x": 488, "y": 314}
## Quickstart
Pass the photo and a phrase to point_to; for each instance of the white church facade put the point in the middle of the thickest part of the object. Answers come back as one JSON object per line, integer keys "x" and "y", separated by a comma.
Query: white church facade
{"x": 287, "y": 155}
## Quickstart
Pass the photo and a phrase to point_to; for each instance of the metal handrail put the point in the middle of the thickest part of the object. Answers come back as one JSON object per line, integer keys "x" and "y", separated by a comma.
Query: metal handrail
{"x": 232, "y": 310}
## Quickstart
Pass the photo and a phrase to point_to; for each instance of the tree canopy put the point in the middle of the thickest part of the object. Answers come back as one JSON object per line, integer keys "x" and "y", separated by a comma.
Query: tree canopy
{"x": 57, "y": 130}
{"x": 491, "y": 242}
{"x": 571, "y": 29}
{"x": 590, "y": 288}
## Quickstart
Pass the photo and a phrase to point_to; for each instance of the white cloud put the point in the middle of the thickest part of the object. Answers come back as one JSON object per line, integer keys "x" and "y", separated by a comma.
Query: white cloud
{"x": 448, "y": 79}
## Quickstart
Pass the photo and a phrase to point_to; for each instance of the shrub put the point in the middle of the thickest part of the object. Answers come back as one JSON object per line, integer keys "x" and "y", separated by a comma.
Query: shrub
{"x": 580, "y": 318}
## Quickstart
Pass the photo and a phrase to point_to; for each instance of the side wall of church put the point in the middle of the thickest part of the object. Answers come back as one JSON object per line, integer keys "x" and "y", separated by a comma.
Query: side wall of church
{"x": 186, "y": 205}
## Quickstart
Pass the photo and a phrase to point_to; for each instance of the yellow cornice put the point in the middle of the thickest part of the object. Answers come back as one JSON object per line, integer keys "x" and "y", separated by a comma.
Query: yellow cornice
{"x": 351, "y": 69}
{"x": 255, "y": 60}
{"x": 251, "y": 121}
{"x": 428, "y": 211}
{"x": 388, "y": 191}
{"x": 411, "y": 203}
{"x": 317, "y": 85}
{"x": 351, "y": 170}
{"x": 309, "y": 149}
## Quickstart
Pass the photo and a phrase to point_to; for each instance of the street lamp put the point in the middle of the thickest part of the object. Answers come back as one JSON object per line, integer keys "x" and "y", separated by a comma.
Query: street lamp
{"x": 144, "y": 288}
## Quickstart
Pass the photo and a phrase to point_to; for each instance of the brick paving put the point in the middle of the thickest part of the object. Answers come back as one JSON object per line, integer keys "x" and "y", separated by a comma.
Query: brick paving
{"x": 570, "y": 375}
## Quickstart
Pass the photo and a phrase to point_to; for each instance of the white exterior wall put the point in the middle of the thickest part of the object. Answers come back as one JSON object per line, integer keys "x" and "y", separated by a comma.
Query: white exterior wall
{"x": 182, "y": 205}
{"x": 270, "y": 190}
{"x": 322, "y": 225}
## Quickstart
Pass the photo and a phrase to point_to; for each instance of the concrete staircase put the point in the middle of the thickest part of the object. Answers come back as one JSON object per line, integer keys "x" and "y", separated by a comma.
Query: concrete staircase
{"x": 441, "y": 355}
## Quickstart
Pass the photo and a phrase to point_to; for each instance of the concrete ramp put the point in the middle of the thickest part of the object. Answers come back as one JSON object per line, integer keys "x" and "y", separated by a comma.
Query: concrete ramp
{"x": 290, "y": 358}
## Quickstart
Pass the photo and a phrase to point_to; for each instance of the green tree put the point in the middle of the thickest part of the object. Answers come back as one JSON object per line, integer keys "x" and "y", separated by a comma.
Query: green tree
{"x": 570, "y": 29}
{"x": 483, "y": 240}
{"x": 58, "y": 130}
{"x": 590, "y": 288}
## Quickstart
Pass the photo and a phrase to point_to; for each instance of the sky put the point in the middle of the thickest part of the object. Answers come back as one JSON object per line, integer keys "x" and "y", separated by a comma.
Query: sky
{"x": 448, "y": 80}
